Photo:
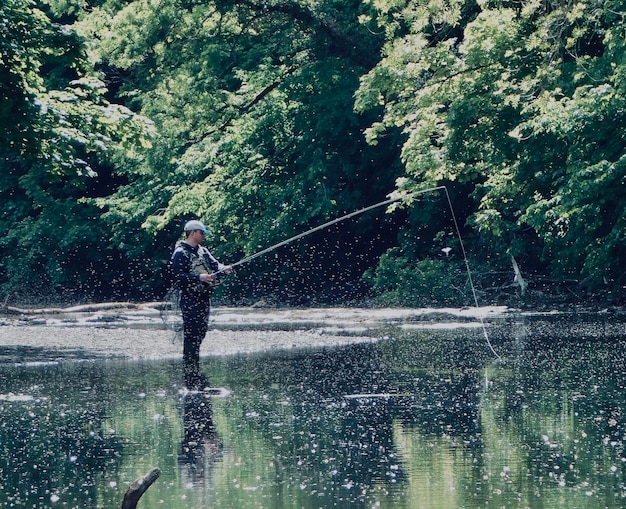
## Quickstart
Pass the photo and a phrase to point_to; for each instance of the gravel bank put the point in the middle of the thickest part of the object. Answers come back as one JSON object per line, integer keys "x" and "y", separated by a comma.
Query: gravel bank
{"x": 132, "y": 331}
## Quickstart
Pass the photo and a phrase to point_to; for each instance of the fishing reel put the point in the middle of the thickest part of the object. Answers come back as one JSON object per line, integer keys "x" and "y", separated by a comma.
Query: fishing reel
{"x": 218, "y": 278}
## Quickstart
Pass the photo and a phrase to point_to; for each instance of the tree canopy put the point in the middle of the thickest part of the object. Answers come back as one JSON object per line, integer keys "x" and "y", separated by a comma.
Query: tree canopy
{"x": 523, "y": 103}
{"x": 122, "y": 120}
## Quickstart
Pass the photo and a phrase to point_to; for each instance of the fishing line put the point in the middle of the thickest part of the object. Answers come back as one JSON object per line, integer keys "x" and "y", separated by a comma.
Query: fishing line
{"x": 372, "y": 207}
{"x": 469, "y": 272}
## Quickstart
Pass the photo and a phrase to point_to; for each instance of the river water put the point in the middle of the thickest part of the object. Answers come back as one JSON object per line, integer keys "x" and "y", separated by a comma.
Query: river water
{"x": 421, "y": 418}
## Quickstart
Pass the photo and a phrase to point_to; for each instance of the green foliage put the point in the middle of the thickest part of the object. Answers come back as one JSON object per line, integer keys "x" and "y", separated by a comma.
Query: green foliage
{"x": 59, "y": 132}
{"x": 400, "y": 281}
{"x": 120, "y": 120}
{"x": 253, "y": 104}
{"x": 523, "y": 102}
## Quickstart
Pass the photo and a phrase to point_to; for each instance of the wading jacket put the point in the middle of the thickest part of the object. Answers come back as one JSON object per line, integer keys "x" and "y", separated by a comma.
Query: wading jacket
{"x": 188, "y": 263}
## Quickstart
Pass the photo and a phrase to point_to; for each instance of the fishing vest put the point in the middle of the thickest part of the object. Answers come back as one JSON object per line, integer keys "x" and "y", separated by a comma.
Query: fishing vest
{"x": 200, "y": 263}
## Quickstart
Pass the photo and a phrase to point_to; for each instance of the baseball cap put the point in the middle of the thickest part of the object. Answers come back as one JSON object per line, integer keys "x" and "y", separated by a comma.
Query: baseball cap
{"x": 194, "y": 224}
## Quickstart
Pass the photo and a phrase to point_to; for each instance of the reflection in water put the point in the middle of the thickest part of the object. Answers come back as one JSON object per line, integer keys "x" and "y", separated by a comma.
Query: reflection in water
{"x": 201, "y": 447}
{"x": 554, "y": 416}
{"x": 335, "y": 423}
{"x": 53, "y": 449}
{"x": 424, "y": 419}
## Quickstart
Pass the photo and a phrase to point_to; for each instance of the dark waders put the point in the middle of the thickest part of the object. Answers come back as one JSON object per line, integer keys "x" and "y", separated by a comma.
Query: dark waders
{"x": 195, "y": 312}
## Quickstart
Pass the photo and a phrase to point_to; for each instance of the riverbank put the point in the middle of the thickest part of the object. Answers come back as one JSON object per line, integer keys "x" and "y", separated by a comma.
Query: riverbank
{"x": 147, "y": 331}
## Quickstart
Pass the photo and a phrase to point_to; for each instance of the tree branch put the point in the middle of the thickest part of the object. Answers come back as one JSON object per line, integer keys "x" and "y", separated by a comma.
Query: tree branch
{"x": 138, "y": 488}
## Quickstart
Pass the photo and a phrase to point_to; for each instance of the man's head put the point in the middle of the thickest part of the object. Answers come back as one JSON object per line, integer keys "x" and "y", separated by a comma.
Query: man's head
{"x": 195, "y": 231}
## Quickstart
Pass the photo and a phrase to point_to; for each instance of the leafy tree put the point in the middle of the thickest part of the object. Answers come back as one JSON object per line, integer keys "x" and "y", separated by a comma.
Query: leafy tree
{"x": 268, "y": 118}
{"x": 253, "y": 102}
{"x": 523, "y": 102}
{"x": 58, "y": 131}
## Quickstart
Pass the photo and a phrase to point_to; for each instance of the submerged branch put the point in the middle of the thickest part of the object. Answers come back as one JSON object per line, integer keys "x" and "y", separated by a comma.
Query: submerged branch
{"x": 138, "y": 488}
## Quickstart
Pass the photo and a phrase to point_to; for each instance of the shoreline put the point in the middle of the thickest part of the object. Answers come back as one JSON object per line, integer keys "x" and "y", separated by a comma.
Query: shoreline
{"x": 138, "y": 331}
{"x": 129, "y": 331}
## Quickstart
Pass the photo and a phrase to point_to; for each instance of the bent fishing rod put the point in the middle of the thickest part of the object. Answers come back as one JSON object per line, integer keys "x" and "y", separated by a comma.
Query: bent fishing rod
{"x": 372, "y": 207}
{"x": 332, "y": 222}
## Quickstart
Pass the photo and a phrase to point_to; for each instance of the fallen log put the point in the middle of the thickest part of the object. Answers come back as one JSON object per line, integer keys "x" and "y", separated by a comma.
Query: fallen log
{"x": 138, "y": 488}
{"x": 82, "y": 308}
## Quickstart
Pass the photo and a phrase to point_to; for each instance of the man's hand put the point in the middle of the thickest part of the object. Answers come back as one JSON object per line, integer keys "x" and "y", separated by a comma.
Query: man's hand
{"x": 207, "y": 278}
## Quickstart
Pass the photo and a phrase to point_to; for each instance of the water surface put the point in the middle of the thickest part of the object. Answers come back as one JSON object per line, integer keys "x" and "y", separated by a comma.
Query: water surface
{"x": 421, "y": 419}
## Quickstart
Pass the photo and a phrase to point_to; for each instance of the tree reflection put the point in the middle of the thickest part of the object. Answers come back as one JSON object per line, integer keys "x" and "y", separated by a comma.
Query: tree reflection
{"x": 553, "y": 413}
{"x": 54, "y": 451}
{"x": 333, "y": 419}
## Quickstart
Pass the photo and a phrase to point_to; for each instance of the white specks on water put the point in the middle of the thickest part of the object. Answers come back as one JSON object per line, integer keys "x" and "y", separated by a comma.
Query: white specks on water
{"x": 548, "y": 442}
{"x": 16, "y": 398}
{"x": 376, "y": 395}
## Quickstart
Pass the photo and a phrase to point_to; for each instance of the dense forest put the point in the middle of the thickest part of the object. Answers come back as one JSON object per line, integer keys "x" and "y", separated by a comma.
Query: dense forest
{"x": 499, "y": 126}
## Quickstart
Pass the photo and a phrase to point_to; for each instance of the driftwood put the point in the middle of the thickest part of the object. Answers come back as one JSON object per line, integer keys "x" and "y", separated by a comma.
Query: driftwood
{"x": 83, "y": 308}
{"x": 138, "y": 488}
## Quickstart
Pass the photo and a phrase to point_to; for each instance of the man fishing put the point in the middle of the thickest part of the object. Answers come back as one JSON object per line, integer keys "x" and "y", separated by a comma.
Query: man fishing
{"x": 196, "y": 273}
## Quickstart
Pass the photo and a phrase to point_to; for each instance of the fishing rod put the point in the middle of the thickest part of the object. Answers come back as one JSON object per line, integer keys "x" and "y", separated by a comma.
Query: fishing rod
{"x": 372, "y": 207}
{"x": 332, "y": 222}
